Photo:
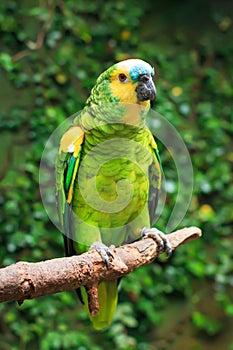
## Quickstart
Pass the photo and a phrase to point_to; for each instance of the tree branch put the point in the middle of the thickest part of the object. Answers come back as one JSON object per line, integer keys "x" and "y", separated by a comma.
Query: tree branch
{"x": 25, "y": 280}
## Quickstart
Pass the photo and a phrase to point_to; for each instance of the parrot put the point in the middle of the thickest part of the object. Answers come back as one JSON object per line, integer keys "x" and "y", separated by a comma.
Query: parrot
{"x": 108, "y": 174}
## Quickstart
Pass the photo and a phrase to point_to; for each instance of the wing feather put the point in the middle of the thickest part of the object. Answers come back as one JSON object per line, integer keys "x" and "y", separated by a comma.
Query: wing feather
{"x": 67, "y": 164}
{"x": 155, "y": 176}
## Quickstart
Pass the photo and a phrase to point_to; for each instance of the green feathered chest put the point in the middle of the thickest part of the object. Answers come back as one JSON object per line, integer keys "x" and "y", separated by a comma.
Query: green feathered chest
{"x": 111, "y": 188}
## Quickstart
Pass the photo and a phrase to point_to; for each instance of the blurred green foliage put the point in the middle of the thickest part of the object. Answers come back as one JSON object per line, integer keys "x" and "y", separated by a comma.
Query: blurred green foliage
{"x": 51, "y": 54}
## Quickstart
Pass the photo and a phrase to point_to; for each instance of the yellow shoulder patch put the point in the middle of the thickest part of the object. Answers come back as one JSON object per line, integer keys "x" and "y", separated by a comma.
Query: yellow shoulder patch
{"x": 72, "y": 140}
{"x": 153, "y": 143}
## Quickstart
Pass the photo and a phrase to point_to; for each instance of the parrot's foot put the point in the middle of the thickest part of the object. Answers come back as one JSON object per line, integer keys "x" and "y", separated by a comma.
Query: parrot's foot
{"x": 159, "y": 237}
{"x": 104, "y": 251}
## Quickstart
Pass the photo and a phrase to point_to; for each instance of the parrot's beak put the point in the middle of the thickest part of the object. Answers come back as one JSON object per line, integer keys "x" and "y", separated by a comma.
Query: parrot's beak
{"x": 146, "y": 89}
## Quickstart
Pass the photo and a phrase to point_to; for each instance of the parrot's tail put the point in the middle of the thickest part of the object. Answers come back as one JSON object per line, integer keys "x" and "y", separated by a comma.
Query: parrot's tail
{"x": 108, "y": 295}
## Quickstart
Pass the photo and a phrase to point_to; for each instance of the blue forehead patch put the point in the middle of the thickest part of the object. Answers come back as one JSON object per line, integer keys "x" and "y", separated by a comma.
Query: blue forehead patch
{"x": 139, "y": 70}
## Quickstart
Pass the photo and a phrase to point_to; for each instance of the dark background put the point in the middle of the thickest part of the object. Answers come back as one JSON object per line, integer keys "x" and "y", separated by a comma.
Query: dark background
{"x": 51, "y": 53}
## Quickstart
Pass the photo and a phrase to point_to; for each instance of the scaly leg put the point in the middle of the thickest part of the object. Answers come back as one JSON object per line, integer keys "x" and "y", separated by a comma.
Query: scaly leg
{"x": 159, "y": 237}
{"x": 104, "y": 251}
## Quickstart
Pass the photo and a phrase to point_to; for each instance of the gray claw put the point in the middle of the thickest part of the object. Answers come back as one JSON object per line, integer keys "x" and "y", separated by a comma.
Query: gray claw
{"x": 159, "y": 237}
{"x": 104, "y": 251}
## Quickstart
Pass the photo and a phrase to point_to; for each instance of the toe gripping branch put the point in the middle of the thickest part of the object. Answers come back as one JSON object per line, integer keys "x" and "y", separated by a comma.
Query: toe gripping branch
{"x": 162, "y": 241}
{"x": 104, "y": 251}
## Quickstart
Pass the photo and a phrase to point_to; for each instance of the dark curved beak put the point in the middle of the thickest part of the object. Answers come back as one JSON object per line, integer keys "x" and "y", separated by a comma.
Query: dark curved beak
{"x": 146, "y": 89}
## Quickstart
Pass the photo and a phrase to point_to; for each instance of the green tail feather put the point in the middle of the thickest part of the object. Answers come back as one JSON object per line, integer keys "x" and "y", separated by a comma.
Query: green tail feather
{"x": 108, "y": 296}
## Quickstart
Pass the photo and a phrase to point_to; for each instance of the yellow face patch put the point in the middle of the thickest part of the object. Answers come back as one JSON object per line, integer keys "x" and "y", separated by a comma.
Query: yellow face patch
{"x": 125, "y": 91}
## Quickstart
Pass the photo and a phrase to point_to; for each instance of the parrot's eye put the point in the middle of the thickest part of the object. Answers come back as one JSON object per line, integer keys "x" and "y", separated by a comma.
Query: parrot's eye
{"x": 122, "y": 78}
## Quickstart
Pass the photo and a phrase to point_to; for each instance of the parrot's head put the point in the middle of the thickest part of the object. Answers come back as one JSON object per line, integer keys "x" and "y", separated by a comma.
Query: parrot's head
{"x": 129, "y": 81}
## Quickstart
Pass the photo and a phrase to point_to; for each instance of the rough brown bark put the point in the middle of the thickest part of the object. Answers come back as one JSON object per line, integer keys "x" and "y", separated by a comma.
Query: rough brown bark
{"x": 25, "y": 280}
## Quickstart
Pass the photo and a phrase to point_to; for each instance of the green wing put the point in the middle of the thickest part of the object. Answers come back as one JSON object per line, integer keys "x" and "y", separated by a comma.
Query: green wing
{"x": 66, "y": 170}
{"x": 67, "y": 164}
{"x": 155, "y": 176}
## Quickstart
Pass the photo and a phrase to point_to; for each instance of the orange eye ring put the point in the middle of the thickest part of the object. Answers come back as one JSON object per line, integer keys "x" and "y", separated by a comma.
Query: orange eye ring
{"x": 122, "y": 78}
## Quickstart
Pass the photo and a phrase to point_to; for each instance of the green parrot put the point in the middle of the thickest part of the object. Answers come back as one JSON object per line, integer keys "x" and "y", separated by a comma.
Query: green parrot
{"x": 108, "y": 173}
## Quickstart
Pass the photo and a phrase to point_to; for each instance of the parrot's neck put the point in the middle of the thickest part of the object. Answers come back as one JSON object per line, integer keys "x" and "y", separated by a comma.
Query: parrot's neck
{"x": 121, "y": 114}
{"x": 109, "y": 122}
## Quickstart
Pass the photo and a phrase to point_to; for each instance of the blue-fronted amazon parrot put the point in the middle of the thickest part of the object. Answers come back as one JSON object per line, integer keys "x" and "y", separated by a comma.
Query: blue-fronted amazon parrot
{"x": 108, "y": 172}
